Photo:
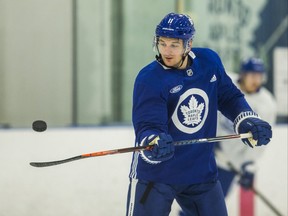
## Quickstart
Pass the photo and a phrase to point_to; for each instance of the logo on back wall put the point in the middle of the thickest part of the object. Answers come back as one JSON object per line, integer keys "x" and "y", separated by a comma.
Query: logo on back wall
{"x": 191, "y": 111}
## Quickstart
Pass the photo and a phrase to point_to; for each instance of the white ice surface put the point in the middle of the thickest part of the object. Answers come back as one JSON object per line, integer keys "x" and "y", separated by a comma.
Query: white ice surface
{"x": 98, "y": 186}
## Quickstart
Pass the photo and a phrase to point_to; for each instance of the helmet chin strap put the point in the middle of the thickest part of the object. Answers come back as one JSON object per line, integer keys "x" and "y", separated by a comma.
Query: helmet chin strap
{"x": 182, "y": 60}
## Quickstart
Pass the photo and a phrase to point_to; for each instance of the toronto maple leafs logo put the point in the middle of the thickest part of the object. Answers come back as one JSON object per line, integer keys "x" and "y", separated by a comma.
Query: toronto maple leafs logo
{"x": 192, "y": 112}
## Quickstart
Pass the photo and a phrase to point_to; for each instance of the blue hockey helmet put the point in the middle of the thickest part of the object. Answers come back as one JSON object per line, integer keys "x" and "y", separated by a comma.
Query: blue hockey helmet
{"x": 176, "y": 26}
{"x": 252, "y": 65}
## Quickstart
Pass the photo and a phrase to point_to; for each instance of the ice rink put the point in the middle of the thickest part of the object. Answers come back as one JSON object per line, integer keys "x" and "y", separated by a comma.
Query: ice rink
{"x": 98, "y": 186}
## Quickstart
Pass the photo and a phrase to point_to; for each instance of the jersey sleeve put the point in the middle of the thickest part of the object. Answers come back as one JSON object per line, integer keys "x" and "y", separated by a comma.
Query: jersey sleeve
{"x": 231, "y": 101}
{"x": 150, "y": 115}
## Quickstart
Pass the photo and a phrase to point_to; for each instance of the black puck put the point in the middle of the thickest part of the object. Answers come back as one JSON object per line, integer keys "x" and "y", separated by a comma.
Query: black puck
{"x": 39, "y": 126}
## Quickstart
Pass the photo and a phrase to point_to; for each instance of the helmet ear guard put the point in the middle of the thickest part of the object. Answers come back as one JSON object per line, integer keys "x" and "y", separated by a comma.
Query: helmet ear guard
{"x": 188, "y": 46}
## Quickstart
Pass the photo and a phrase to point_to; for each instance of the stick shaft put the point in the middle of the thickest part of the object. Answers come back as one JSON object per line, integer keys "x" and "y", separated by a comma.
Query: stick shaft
{"x": 139, "y": 148}
{"x": 214, "y": 139}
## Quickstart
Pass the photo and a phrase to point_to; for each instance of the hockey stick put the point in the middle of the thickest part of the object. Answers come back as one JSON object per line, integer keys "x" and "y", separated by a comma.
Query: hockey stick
{"x": 139, "y": 148}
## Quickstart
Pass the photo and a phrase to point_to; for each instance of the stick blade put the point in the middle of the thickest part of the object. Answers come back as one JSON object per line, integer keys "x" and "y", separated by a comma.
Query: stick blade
{"x": 53, "y": 163}
{"x": 41, "y": 164}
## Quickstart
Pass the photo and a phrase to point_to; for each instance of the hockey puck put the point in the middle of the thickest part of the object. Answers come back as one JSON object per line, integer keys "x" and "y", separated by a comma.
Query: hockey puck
{"x": 39, "y": 126}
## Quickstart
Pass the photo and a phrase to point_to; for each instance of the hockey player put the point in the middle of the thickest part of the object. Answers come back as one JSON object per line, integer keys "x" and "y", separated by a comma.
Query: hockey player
{"x": 176, "y": 97}
{"x": 230, "y": 153}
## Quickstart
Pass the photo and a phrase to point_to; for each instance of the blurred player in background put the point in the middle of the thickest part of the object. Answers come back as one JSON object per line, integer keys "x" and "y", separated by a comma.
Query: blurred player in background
{"x": 231, "y": 153}
{"x": 176, "y": 97}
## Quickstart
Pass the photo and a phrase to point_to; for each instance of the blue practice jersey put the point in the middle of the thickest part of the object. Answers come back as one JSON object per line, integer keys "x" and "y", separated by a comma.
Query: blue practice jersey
{"x": 184, "y": 104}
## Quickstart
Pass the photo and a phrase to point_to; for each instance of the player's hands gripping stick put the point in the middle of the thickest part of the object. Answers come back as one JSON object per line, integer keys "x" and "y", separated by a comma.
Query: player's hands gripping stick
{"x": 260, "y": 130}
{"x": 162, "y": 148}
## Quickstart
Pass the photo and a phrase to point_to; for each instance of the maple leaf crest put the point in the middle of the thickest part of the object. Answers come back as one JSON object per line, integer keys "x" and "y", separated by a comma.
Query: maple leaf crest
{"x": 192, "y": 114}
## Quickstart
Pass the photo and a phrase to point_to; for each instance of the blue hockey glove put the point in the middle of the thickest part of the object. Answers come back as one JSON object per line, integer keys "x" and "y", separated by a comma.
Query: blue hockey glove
{"x": 261, "y": 130}
{"x": 162, "y": 148}
{"x": 247, "y": 176}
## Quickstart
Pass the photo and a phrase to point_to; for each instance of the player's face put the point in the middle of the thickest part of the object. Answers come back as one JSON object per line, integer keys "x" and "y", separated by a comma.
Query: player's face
{"x": 252, "y": 82}
{"x": 171, "y": 50}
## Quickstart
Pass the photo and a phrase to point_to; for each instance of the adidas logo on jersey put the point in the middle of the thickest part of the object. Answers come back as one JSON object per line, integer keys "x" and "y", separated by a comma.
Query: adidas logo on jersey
{"x": 213, "y": 79}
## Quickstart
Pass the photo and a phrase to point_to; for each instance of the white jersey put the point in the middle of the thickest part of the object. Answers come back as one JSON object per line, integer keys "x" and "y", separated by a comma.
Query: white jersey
{"x": 235, "y": 151}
